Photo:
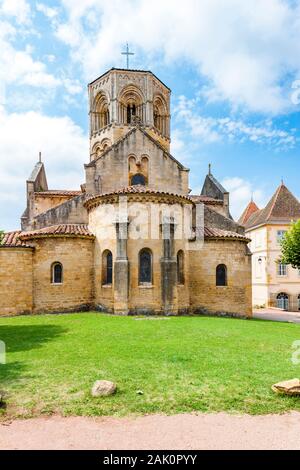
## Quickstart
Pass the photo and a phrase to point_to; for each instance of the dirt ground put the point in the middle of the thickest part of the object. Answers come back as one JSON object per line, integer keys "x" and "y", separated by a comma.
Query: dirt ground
{"x": 186, "y": 431}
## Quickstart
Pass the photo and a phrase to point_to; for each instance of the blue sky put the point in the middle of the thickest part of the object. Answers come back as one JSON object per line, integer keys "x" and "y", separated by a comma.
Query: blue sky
{"x": 233, "y": 67}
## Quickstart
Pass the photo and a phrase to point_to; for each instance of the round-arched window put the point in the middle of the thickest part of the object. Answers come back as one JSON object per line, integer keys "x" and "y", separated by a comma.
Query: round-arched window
{"x": 221, "y": 275}
{"x": 56, "y": 273}
{"x": 138, "y": 178}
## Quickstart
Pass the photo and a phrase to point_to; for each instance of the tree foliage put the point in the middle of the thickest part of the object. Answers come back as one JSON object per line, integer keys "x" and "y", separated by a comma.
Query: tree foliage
{"x": 1, "y": 236}
{"x": 291, "y": 246}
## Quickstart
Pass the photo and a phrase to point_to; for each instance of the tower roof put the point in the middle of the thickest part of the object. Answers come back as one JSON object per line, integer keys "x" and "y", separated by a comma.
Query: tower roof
{"x": 129, "y": 70}
{"x": 250, "y": 209}
{"x": 282, "y": 207}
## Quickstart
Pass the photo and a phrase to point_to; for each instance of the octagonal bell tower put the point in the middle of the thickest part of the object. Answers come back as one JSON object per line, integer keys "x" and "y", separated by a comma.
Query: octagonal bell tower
{"x": 121, "y": 99}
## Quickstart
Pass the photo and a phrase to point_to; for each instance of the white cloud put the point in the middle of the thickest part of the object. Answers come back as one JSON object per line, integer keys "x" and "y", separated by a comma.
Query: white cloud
{"x": 46, "y": 10}
{"x": 245, "y": 49}
{"x": 18, "y": 9}
{"x": 210, "y": 129}
{"x": 241, "y": 192}
{"x": 64, "y": 148}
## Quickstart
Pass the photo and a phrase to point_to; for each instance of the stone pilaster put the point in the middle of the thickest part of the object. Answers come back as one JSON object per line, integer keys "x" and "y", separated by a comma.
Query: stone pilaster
{"x": 121, "y": 270}
{"x": 168, "y": 269}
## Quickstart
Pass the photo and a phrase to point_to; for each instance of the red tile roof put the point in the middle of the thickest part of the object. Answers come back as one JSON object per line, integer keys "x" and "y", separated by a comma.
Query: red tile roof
{"x": 11, "y": 239}
{"x": 66, "y": 230}
{"x": 250, "y": 209}
{"x": 136, "y": 189}
{"x": 213, "y": 232}
{"x": 57, "y": 192}
{"x": 282, "y": 207}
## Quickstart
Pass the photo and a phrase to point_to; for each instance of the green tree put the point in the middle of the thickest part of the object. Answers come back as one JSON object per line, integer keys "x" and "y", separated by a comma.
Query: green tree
{"x": 1, "y": 236}
{"x": 291, "y": 246}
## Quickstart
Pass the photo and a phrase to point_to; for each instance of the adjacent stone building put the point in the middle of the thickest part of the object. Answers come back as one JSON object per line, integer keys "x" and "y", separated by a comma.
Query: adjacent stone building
{"x": 273, "y": 284}
{"x": 133, "y": 240}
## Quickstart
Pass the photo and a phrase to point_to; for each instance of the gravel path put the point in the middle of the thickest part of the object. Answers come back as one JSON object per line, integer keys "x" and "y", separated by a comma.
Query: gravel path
{"x": 186, "y": 431}
{"x": 275, "y": 314}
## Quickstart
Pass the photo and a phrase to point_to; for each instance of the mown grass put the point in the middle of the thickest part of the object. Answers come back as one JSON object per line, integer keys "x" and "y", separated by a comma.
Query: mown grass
{"x": 181, "y": 364}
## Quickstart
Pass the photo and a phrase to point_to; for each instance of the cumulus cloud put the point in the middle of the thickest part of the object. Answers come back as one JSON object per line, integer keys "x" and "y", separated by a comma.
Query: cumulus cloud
{"x": 245, "y": 49}
{"x": 18, "y": 9}
{"x": 211, "y": 129}
{"x": 241, "y": 192}
{"x": 64, "y": 148}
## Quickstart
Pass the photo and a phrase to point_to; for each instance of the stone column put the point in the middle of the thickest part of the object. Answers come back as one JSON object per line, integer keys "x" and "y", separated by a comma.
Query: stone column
{"x": 168, "y": 268}
{"x": 121, "y": 270}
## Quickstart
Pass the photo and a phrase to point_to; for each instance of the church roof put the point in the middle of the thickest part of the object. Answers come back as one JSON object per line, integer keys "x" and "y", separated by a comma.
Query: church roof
{"x": 205, "y": 199}
{"x": 129, "y": 70}
{"x": 62, "y": 230}
{"x": 250, "y": 209}
{"x": 282, "y": 207}
{"x": 214, "y": 232}
{"x": 58, "y": 193}
{"x": 11, "y": 240}
{"x": 136, "y": 189}
{"x": 125, "y": 137}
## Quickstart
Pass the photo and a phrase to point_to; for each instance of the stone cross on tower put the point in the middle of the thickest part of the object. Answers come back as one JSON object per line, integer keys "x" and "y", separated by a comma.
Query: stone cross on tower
{"x": 127, "y": 53}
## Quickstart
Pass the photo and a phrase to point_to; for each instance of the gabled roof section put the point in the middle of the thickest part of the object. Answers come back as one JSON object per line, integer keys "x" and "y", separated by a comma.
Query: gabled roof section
{"x": 38, "y": 177}
{"x": 129, "y": 133}
{"x": 212, "y": 188}
{"x": 12, "y": 240}
{"x": 129, "y": 70}
{"x": 282, "y": 207}
{"x": 248, "y": 212}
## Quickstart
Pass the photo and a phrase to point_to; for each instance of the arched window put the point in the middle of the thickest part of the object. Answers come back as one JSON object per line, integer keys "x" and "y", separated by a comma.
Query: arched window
{"x": 56, "y": 273}
{"x": 138, "y": 179}
{"x": 100, "y": 112}
{"x": 221, "y": 275}
{"x": 131, "y": 113}
{"x": 145, "y": 266}
{"x": 180, "y": 267}
{"x": 283, "y": 301}
{"x": 107, "y": 267}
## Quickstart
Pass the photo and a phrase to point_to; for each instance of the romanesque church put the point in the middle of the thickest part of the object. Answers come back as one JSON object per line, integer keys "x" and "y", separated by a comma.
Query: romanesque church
{"x": 132, "y": 239}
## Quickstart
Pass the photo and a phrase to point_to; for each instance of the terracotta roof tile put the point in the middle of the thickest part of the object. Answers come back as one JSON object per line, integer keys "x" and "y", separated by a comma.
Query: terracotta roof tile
{"x": 66, "y": 230}
{"x": 248, "y": 212}
{"x": 136, "y": 189}
{"x": 205, "y": 199}
{"x": 282, "y": 207}
{"x": 11, "y": 239}
{"x": 213, "y": 232}
{"x": 57, "y": 192}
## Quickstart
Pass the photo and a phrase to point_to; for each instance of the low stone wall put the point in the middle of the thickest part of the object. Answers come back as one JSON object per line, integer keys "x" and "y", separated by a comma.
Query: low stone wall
{"x": 15, "y": 280}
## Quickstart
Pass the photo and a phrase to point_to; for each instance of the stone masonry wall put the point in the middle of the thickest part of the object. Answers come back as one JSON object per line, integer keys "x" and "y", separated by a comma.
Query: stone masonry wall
{"x": 76, "y": 291}
{"x": 15, "y": 281}
{"x": 206, "y": 297}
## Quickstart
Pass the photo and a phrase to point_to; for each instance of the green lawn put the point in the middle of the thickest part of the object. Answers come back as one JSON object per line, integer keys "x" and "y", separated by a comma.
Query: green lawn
{"x": 181, "y": 364}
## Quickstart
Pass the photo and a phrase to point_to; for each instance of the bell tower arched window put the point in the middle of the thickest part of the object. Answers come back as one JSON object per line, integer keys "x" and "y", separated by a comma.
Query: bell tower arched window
{"x": 138, "y": 179}
{"x": 100, "y": 117}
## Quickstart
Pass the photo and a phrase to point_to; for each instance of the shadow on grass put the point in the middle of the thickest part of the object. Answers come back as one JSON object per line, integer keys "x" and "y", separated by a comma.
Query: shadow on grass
{"x": 26, "y": 337}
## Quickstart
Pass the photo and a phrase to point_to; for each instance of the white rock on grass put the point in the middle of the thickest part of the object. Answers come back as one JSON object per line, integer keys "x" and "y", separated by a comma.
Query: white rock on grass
{"x": 103, "y": 388}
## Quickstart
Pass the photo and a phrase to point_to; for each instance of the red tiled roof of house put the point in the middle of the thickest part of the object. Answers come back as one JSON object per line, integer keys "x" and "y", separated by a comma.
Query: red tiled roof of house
{"x": 282, "y": 207}
{"x": 250, "y": 209}
{"x": 63, "y": 230}
{"x": 57, "y": 192}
